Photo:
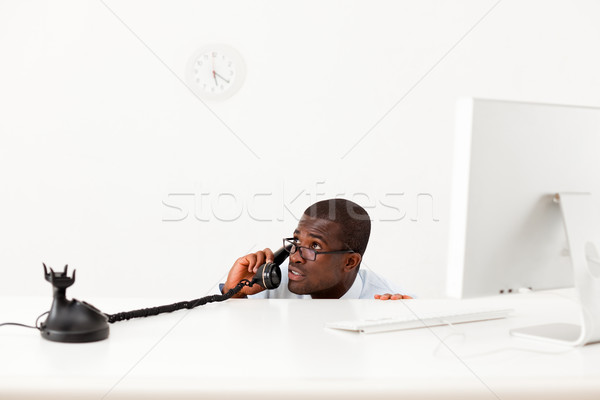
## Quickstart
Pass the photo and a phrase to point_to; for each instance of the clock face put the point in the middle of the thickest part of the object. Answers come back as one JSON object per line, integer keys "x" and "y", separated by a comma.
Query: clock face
{"x": 215, "y": 72}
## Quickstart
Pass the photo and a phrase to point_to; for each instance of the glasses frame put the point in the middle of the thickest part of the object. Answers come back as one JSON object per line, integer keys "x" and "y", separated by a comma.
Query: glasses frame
{"x": 289, "y": 242}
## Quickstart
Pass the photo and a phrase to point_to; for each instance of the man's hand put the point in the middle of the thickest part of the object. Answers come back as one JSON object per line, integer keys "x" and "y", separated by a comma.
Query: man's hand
{"x": 388, "y": 296}
{"x": 245, "y": 268}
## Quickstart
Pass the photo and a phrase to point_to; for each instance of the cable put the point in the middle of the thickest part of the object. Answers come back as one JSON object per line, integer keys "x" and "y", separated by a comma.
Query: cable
{"x": 147, "y": 312}
{"x": 38, "y": 318}
{"x": 18, "y": 324}
{"x": 442, "y": 342}
{"x": 38, "y": 327}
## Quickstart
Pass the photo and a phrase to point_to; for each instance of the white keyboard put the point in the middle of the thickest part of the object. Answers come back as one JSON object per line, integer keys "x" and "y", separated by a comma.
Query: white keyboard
{"x": 420, "y": 321}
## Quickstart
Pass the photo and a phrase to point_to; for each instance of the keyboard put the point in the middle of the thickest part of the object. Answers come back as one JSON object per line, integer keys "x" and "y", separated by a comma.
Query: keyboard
{"x": 424, "y": 320}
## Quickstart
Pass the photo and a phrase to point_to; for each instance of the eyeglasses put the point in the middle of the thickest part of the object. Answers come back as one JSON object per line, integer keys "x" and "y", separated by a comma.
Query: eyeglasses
{"x": 291, "y": 245}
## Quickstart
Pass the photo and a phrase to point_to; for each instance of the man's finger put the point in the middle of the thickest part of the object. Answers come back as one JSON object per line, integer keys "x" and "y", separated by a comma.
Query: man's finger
{"x": 399, "y": 296}
{"x": 242, "y": 261}
{"x": 251, "y": 261}
{"x": 269, "y": 255}
{"x": 260, "y": 260}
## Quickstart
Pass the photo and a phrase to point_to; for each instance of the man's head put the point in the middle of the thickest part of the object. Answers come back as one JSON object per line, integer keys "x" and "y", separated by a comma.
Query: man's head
{"x": 333, "y": 225}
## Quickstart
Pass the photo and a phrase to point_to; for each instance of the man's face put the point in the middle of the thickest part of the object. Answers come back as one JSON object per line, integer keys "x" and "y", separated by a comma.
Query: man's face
{"x": 324, "y": 275}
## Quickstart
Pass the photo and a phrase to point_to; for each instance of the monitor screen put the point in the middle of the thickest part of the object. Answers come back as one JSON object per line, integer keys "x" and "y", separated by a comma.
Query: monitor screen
{"x": 510, "y": 159}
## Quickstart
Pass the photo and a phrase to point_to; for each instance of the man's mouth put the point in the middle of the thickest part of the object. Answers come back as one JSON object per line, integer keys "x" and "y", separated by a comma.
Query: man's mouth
{"x": 295, "y": 275}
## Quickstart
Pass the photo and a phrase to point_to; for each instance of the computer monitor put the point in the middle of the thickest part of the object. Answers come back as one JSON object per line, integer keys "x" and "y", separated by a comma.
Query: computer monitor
{"x": 506, "y": 232}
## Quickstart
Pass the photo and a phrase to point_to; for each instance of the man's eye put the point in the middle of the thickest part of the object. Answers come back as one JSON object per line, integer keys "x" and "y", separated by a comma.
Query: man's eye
{"x": 316, "y": 246}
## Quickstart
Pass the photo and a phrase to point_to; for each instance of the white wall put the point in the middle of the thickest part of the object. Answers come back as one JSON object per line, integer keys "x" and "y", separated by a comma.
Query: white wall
{"x": 97, "y": 134}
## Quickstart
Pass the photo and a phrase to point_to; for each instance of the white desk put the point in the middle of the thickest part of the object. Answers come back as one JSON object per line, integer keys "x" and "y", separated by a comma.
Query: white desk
{"x": 276, "y": 349}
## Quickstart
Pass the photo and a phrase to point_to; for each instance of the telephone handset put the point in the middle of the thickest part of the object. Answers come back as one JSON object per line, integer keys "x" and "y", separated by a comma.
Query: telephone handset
{"x": 77, "y": 321}
{"x": 268, "y": 275}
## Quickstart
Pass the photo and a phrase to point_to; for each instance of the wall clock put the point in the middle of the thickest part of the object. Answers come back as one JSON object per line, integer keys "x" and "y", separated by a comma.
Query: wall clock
{"x": 216, "y": 72}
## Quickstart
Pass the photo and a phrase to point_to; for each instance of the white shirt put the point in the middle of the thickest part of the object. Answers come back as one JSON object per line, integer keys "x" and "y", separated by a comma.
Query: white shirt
{"x": 366, "y": 285}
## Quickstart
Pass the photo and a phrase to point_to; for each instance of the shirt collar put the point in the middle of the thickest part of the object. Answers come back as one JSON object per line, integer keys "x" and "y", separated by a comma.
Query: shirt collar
{"x": 355, "y": 289}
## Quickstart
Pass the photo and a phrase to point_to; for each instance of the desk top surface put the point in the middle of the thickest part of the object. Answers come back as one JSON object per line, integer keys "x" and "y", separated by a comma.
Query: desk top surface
{"x": 265, "y": 348}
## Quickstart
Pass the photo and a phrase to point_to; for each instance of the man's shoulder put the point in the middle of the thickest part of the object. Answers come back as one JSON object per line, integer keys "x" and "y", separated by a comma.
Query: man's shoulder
{"x": 374, "y": 283}
{"x": 374, "y": 280}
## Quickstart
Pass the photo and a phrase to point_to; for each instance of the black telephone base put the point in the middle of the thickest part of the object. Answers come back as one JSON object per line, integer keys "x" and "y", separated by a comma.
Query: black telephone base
{"x": 71, "y": 321}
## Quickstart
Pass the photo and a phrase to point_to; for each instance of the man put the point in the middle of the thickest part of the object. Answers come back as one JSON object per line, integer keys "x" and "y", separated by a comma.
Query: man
{"x": 325, "y": 256}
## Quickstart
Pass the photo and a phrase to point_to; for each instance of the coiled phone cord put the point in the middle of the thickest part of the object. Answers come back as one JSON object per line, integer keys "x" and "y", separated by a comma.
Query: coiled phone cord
{"x": 147, "y": 312}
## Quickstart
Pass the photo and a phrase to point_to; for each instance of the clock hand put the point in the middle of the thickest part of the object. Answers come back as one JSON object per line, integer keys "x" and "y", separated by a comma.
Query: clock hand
{"x": 216, "y": 74}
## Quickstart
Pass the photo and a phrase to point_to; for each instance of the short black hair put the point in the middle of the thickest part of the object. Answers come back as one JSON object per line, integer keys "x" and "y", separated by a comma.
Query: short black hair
{"x": 353, "y": 220}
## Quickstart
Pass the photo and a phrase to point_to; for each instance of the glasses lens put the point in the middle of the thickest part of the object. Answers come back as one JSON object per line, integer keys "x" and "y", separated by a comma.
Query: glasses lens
{"x": 308, "y": 254}
{"x": 289, "y": 246}
{"x": 305, "y": 253}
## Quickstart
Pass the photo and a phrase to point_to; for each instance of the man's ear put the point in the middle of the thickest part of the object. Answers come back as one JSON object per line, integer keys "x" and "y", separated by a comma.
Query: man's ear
{"x": 352, "y": 261}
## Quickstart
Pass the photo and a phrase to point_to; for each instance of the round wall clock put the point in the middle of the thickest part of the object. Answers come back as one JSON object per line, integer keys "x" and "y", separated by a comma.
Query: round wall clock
{"x": 215, "y": 72}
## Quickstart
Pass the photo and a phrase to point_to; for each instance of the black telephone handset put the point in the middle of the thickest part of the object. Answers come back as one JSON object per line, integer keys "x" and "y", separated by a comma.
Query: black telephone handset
{"x": 268, "y": 275}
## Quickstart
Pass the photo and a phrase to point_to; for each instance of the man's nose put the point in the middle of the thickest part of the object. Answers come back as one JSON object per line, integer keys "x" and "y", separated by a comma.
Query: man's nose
{"x": 295, "y": 258}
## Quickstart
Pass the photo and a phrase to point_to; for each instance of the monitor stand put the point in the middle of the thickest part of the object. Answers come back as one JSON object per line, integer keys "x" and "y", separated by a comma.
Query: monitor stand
{"x": 583, "y": 237}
